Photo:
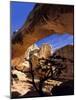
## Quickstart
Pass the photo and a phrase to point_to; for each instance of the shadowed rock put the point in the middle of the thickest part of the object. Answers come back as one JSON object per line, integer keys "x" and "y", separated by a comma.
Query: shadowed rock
{"x": 66, "y": 88}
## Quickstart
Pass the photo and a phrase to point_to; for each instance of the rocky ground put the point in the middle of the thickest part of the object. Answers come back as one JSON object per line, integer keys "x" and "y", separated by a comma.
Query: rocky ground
{"x": 22, "y": 84}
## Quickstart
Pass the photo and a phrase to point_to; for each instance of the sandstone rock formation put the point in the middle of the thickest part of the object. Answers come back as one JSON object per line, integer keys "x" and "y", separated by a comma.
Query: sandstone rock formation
{"x": 42, "y": 22}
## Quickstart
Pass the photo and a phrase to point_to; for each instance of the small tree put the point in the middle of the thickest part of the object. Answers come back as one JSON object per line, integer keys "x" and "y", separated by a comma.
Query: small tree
{"x": 49, "y": 68}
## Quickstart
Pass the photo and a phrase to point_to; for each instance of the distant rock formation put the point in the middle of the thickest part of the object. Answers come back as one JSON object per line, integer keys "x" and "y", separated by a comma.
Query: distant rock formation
{"x": 21, "y": 63}
{"x": 45, "y": 51}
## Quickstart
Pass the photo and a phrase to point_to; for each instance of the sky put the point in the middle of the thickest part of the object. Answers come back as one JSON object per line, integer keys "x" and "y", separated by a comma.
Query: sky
{"x": 19, "y": 12}
{"x": 57, "y": 40}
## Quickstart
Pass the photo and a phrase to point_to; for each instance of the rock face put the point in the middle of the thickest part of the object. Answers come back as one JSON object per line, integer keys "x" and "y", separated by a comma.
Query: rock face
{"x": 54, "y": 19}
{"x": 45, "y": 51}
{"x": 42, "y": 22}
{"x": 68, "y": 53}
{"x": 33, "y": 48}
